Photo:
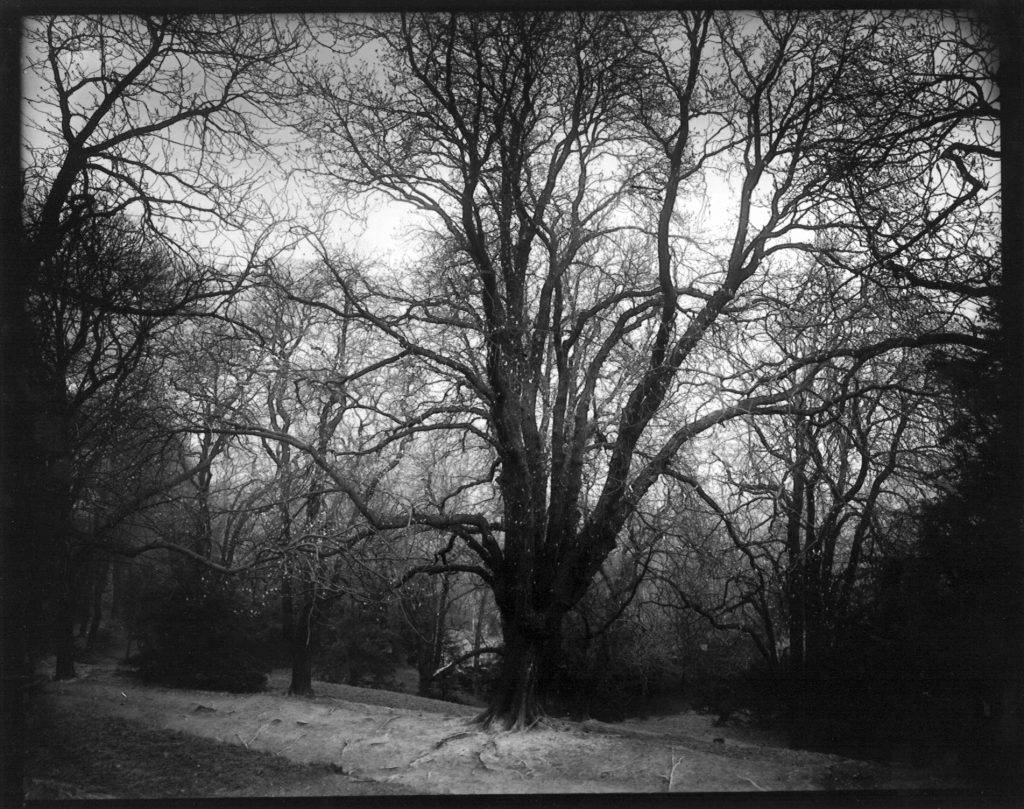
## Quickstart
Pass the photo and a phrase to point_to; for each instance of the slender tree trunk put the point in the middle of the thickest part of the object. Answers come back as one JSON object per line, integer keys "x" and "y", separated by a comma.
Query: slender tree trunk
{"x": 125, "y": 604}
{"x": 120, "y": 595}
{"x": 424, "y": 659}
{"x": 287, "y": 606}
{"x": 302, "y": 651}
{"x": 203, "y": 539}
{"x": 438, "y": 636}
{"x": 64, "y": 668}
{"x": 98, "y": 589}
{"x": 796, "y": 709}
{"x": 83, "y": 609}
{"x": 478, "y": 637}
{"x": 66, "y": 612}
{"x": 302, "y": 670}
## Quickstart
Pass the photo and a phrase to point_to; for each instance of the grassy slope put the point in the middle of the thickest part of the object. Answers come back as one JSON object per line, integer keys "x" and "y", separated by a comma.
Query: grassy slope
{"x": 76, "y": 757}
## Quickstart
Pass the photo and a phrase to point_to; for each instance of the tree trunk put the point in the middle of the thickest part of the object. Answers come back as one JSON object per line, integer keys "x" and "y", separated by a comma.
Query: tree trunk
{"x": 125, "y": 603}
{"x": 302, "y": 671}
{"x": 529, "y": 656}
{"x": 424, "y": 658}
{"x": 796, "y": 697}
{"x": 516, "y": 703}
{"x": 438, "y": 636}
{"x": 64, "y": 668}
{"x": 83, "y": 610}
{"x": 99, "y": 588}
{"x": 66, "y": 612}
{"x": 302, "y": 653}
{"x": 478, "y": 638}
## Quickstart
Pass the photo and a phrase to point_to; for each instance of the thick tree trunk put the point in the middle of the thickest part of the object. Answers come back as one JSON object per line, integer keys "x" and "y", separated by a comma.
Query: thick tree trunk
{"x": 516, "y": 703}
{"x": 21, "y": 467}
{"x": 530, "y": 653}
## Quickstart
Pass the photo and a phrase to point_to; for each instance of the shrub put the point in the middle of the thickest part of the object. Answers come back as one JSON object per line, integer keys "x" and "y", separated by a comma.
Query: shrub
{"x": 614, "y": 676}
{"x": 364, "y": 649}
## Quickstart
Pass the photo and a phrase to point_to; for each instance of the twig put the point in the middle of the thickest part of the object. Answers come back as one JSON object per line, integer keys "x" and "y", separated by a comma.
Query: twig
{"x": 242, "y": 741}
{"x": 480, "y": 755}
{"x": 529, "y": 771}
{"x": 672, "y": 773}
{"x": 438, "y": 745}
{"x": 384, "y": 724}
{"x": 259, "y": 730}
{"x": 487, "y": 766}
{"x": 293, "y": 741}
{"x": 751, "y": 780}
{"x": 339, "y": 766}
{"x": 461, "y": 734}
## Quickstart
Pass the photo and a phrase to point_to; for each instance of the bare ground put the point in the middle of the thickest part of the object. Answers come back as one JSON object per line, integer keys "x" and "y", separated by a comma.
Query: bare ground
{"x": 106, "y": 735}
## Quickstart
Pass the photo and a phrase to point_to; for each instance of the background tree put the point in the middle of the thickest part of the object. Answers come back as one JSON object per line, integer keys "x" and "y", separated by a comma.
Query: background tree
{"x": 157, "y": 116}
{"x": 97, "y": 315}
{"x": 124, "y": 117}
{"x": 313, "y": 413}
{"x": 948, "y": 607}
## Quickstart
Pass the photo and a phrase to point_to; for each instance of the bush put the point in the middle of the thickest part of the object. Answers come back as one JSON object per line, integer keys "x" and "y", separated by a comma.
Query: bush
{"x": 614, "y": 676}
{"x": 364, "y": 650}
{"x": 197, "y": 633}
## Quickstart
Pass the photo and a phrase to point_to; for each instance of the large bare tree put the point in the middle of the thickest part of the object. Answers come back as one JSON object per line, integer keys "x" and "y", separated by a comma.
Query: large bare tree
{"x": 609, "y": 194}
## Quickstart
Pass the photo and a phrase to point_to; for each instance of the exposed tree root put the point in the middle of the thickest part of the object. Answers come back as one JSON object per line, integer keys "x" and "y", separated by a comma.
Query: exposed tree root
{"x": 491, "y": 719}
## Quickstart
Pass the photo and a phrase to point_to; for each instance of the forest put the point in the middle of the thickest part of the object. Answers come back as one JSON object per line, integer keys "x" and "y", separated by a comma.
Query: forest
{"x": 574, "y": 360}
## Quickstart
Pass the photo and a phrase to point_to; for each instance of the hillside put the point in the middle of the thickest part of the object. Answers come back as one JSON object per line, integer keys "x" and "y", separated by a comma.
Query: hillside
{"x": 106, "y": 735}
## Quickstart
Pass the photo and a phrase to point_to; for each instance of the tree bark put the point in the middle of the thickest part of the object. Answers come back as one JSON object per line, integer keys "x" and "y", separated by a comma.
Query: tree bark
{"x": 99, "y": 588}
{"x": 64, "y": 668}
{"x": 437, "y": 642}
{"x": 530, "y": 652}
{"x": 516, "y": 703}
{"x": 302, "y": 652}
{"x": 302, "y": 671}
{"x": 478, "y": 637}
{"x": 83, "y": 609}
{"x": 68, "y": 599}
{"x": 796, "y": 697}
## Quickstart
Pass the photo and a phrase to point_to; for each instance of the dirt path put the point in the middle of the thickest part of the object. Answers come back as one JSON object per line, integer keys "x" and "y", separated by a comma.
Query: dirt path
{"x": 393, "y": 742}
